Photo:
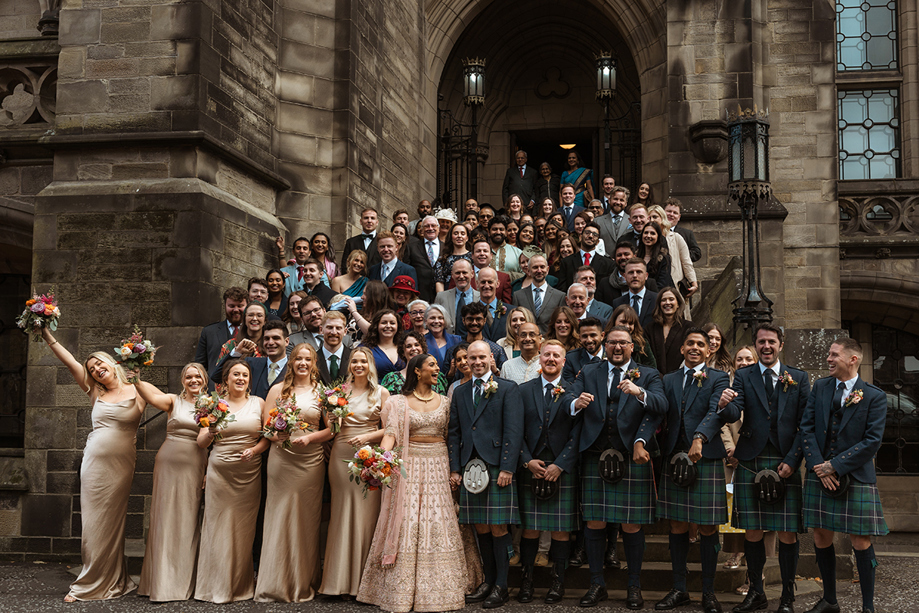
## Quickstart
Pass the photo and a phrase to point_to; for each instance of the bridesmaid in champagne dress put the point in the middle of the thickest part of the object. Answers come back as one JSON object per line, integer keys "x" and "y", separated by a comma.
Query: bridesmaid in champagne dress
{"x": 178, "y": 474}
{"x": 105, "y": 473}
{"x": 416, "y": 561}
{"x": 231, "y": 497}
{"x": 289, "y": 562}
{"x": 353, "y": 516}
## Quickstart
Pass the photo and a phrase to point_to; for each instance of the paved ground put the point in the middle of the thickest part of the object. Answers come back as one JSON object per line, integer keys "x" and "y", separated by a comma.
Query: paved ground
{"x": 29, "y": 587}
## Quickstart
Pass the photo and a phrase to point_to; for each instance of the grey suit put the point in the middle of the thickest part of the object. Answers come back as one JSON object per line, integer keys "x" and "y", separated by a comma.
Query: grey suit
{"x": 610, "y": 231}
{"x": 600, "y": 310}
{"x": 305, "y": 336}
{"x": 552, "y": 299}
{"x": 447, "y": 299}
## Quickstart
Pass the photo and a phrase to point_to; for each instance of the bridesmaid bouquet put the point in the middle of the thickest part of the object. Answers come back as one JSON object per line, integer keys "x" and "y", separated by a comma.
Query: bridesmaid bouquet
{"x": 212, "y": 410}
{"x": 40, "y": 312}
{"x": 284, "y": 419}
{"x": 334, "y": 402}
{"x": 135, "y": 352}
{"x": 374, "y": 468}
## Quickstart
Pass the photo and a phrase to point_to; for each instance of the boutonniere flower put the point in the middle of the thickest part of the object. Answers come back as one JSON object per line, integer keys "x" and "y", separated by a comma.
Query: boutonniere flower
{"x": 557, "y": 391}
{"x": 700, "y": 376}
{"x": 786, "y": 380}
{"x": 500, "y": 310}
{"x": 632, "y": 375}
{"x": 854, "y": 397}
{"x": 490, "y": 388}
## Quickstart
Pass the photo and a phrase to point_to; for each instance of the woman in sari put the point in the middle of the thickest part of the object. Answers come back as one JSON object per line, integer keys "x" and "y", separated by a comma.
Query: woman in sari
{"x": 417, "y": 561}
{"x": 580, "y": 178}
{"x": 352, "y": 282}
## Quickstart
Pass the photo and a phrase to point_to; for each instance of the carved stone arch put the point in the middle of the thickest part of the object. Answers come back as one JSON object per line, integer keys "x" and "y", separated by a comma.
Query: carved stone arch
{"x": 880, "y": 298}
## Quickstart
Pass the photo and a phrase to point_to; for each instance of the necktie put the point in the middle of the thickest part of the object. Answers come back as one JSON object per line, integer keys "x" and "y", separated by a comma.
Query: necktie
{"x": 459, "y": 306}
{"x": 385, "y": 271}
{"x": 299, "y": 273}
{"x": 333, "y": 366}
{"x": 636, "y": 304}
{"x": 233, "y": 330}
{"x": 687, "y": 381}
{"x": 477, "y": 393}
{"x": 272, "y": 372}
{"x": 549, "y": 388}
{"x": 586, "y": 259}
{"x": 614, "y": 391}
{"x": 521, "y": 171}
{"x": 770, "y": 385}
{"x": 431, "y": 252}
{"x": 616, "y": 219}
{"x": 537, "y": 299}
{"x": 837, "y": 397}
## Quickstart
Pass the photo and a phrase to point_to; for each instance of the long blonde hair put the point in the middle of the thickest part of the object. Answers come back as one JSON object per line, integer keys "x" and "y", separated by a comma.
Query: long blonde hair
{"x": 373, "y": 397}
{"x": 200, "y": 368}
{"x": 109, "y": 361}
{"x": 288, "y": 383}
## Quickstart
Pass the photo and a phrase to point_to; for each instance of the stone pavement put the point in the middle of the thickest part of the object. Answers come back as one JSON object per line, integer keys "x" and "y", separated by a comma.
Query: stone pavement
{"x": 32, "y": 587}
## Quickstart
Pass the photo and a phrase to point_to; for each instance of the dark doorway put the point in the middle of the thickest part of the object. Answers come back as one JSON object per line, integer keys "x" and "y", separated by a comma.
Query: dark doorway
{"x": 546, "y": 146}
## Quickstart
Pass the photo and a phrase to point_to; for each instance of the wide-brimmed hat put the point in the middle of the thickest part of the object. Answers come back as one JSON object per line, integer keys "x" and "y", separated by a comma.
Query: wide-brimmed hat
{"x": 405, "y": 283}
{"x": 446, "y": 214}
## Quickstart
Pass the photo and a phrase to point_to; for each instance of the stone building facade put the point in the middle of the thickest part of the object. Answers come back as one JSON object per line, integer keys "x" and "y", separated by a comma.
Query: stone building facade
{"x": 152, "y": 150}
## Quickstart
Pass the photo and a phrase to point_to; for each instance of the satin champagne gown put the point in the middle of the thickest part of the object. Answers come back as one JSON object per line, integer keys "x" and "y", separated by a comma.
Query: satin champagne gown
{"x": 353, "y": 517}
{"x": 231, "y": 497}
{"x": 289, "y": 563}
{"x": 172, "y": 540}
{"x": 105, "y": 483}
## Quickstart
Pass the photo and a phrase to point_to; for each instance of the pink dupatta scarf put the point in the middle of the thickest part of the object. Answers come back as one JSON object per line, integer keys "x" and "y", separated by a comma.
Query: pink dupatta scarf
{"x": 395, "y": 418}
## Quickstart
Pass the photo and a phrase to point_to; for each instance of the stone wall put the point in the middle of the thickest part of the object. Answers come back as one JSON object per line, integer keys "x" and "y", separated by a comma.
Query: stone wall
{"x": 19, "y": 19}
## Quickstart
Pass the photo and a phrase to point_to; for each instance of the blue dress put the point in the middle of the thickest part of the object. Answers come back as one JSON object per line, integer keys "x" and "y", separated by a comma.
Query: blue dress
{"x": 578, "y": 178}
{"x": 441, "y": 353}
{"x": 383, "y": 364}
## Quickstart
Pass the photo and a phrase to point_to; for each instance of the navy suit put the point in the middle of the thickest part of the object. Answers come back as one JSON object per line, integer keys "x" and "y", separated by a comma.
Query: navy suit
{"x": 418, "y": 259}
{"x": 752, "y": 404}
{"x": 575, "y": 360}
{"x": 496, "y": 329}
{"x": 699, "y": 411}
{"x": 569, "y": 219}
{"x": 493, "y": 430}
{"x": 210, "y": 342}
{"x": 400, "y": 269}
{"x": 860, "y": 429}
{"x": 634, "y": 420}
{"x": 258, "y": 382}
{"x": 600, "y": 310}
{"x": 647, "y": 307}
{"x": 603, "y": 266}
{"x": 564, "y": 431}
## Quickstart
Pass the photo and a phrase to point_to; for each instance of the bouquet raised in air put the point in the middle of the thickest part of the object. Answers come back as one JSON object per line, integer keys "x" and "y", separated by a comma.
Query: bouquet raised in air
{"x": 40, "y": 312}
{"x": 135, "y": 352}
{"x": 212, "y": 410}
{"x": 334, "y": 402}
{"x": 374, "y": 468}
{"x": 284, "y": 419}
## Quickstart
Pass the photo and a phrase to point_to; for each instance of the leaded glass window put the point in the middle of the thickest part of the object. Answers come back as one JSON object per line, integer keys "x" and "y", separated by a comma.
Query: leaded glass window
{"x": 866, "y": 35}
{"x": 869, "y": 134}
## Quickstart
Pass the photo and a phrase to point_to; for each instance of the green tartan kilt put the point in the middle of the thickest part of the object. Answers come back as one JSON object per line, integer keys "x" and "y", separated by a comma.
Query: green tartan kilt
{"x": 558, "y": 514}
{"x": 858, "y": 512}
{"x": 496, "y": 506}
{"x": 631, "y": 501}
{"x": 749, "y": 513}
{"x": 703, "y": 503}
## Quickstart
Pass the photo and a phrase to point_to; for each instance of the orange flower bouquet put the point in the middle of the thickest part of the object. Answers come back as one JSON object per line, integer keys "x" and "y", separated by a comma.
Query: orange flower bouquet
{"x": 40, "y": 312}
{"x": 334, "y": 402}
{"x": 374, "y": 468}
{"x": 284, "y": 419}
{"x": 212, "y": 410}
{"x": 135, "y": 352}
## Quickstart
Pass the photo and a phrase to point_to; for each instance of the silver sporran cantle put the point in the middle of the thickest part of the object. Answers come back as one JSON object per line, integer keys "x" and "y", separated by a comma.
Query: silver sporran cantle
{"x": 612, "y": 466}
{"x": 683, "y": 471}
{"x": 475, "y": 476}
{"x": 770, "y": 487}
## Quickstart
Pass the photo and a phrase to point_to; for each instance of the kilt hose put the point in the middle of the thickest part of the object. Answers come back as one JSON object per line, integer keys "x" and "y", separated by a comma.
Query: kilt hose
{"x": 858, "y": 512}
{"x": 496, "y": 506}
{"x": 750, "y": 513}
{"x": 559, "y": 513}
{"x": 703, "y": 503}
{"x": 631, "y": 501}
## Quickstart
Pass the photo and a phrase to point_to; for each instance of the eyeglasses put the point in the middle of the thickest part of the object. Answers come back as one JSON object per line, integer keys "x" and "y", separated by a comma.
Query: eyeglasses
{"x": 613, "y": 343}
{"x": 593, "y": 233}
{"x": 415, "y": 313}
{"x": 311, "y": 311}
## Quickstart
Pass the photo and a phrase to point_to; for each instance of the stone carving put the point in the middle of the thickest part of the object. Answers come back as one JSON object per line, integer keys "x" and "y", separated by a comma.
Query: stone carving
{"x": 709, "y": 141}
{"x": 27, "y": 94}
{"x": 879, "y": 215}
{"x": 553, "y": 86}
{"x": 50, "y": 17}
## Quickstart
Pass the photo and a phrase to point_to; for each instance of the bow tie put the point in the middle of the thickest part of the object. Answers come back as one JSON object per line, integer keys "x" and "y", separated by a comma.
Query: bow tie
{"x": 366, "y": 236}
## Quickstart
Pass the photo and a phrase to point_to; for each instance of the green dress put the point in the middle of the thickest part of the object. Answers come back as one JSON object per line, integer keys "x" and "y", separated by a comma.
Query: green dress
{"x": 394, "y": 381}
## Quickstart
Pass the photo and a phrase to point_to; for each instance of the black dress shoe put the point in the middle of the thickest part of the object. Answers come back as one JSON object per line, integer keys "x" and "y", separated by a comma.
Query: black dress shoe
{"x": 612, "y": 558}
{"x": 710, "y": 603}
{"x": 595, "y": 595}
{"x": 823, "y": 606}
{"x": 578, "y": 558}
{"x": 674, "y": 598}
{"x": 480, "y": 593}
{"x": 496, "y": 599}
{"x": 753, "y": 602}
{"x": 556, "y": 592}
{"x": 525, "y": 594}
{"x": 633, "y": 599}
{"x": 786, "y": 606}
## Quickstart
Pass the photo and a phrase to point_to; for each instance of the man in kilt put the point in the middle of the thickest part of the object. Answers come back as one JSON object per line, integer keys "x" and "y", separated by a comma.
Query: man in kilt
{"x": 771, "y": 398}
{"x": 691, "y": 427}
{"x": 622, "y": 404}
{"x": 842, "y": 429}
{"x": 486, "y": 424}
{"x": 550, "y": 453}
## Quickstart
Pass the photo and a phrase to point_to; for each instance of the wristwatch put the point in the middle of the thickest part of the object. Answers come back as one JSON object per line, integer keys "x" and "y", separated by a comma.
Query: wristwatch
{"x": 702, "y": 437}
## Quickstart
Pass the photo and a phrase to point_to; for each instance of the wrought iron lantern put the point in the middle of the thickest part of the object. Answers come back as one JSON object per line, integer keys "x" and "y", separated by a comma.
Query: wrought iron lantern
{"x": 474, "y": 81}
{"x": 606, "y": 76}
